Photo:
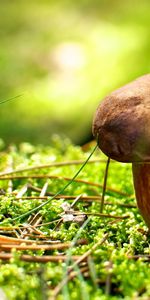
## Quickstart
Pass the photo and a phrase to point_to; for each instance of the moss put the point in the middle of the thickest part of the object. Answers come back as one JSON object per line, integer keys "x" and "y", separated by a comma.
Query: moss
{"x": 128, "y": 278}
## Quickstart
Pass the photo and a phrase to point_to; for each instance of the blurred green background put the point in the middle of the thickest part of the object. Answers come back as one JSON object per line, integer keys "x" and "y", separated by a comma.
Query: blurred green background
{"x": 64, "y": 56}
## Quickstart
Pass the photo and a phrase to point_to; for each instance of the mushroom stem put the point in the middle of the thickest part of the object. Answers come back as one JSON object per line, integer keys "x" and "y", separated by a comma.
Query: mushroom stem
{"x": 141, "y": 177}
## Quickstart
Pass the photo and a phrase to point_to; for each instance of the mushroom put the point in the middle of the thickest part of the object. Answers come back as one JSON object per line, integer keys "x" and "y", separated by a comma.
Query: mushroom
{"x": 122, "y": 128}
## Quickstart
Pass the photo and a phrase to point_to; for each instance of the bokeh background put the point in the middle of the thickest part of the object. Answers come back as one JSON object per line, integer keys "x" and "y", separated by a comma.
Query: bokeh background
{"x": 63, "y": 57}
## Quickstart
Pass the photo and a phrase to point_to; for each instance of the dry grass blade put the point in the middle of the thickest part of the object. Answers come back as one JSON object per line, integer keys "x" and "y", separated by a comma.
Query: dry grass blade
{"x": 9, "y": 168}
{"x": 8, "y": 245}
{"x": 44, "y": 190}
{"x": 22, "y": 191}
{"x": 74, "y": 273}
{"x": 30, "y": 226}
{"x": 6, "y": 239}
{"x": 92, "y": 271}
{"x": 22, "y": 244}
{"x": 108, "y": 279}
{"x": 18, "y": 241}
{"x": 60, "y": 246}
{"x": 82, "y": 199}
{"x": 91, "y": 250}
{"x": 64, "y": 178}
{"x": 51, "y": 165}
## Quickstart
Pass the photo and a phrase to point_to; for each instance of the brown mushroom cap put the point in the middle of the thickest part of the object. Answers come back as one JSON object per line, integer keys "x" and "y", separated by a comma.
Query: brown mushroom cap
{"x": 122, "y": 122}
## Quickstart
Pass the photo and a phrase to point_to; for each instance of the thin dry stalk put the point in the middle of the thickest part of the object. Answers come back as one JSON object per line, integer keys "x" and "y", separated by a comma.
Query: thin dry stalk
{"x": 92, "y": 271}
{"x": 73, "y": 274}
{"x": 83, "y": 257}
{"x": 82, "y": 199}
{"x": 10, "y": 240}
{"x": 108, "y": 279}
{"x": 30, "y": 226}
{"x": 65, "y": 178}
{"x": 35, "y": 235}
{"x": 60, "y": 246}
{"x": 144, "y": 256}
{"x": 104, "y": 186}
{"x": 51, "y": 165}
{"x": 44, "y": 189}
{"x": 49, "y": 223}
{"x": 22, "y": 191}
{"x": 9, "y": 168}
{"x": 38, "y": 258}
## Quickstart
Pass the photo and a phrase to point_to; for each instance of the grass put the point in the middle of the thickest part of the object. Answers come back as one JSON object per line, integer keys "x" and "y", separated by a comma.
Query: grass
{"x": 69, "y": 248}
